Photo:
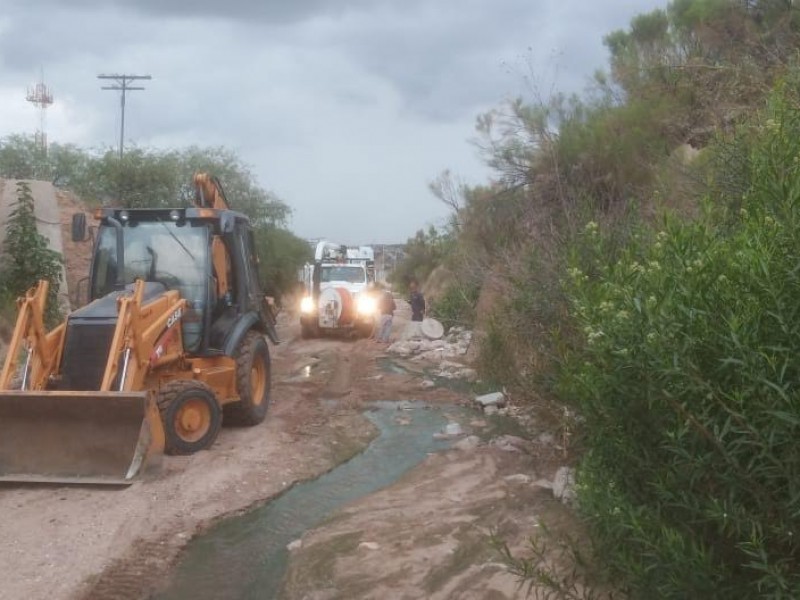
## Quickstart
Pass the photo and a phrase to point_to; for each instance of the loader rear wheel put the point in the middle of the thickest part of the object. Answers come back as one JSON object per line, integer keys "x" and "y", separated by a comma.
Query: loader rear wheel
{"x": 191, "y": 416}
{"x": 253, "y": 379}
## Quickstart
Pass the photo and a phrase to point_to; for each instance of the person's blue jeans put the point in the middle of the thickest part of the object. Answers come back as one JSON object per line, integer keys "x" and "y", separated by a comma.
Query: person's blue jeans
{"x": 384, "y": 329}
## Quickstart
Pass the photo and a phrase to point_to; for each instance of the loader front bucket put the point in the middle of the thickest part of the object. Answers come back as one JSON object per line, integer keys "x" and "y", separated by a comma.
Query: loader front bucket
{"x": 77, "y": 437}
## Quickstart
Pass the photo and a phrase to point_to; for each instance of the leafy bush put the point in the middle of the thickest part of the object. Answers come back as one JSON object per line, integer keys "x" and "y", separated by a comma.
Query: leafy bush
{"x": 687, "y": 381}
{"x": 29, "y": 257}
{"x": 457, "y": 305}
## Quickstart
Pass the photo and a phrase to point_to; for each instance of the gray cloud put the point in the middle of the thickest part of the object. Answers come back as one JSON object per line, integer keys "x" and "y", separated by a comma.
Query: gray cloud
{"x": 343, "y": 109}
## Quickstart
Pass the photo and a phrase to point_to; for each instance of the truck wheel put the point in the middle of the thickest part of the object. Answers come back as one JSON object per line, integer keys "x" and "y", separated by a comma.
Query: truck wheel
{"x": 365, "y": 330}
{"x": 191, "y": 416}
{"x": 308, "y": 330}
{"x": 253, "y": 379}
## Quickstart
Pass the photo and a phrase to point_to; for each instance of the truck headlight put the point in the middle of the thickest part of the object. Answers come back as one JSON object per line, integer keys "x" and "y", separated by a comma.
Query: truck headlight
{"x": 366, "y": 305}
{"x": 307, "y": 304}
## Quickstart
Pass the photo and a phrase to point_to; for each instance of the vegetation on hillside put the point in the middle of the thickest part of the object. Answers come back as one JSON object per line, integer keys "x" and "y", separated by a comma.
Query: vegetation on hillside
{"x": 152, "y": 178}
{"x": 29, "y": 257}
{"x": 637, "y": 250}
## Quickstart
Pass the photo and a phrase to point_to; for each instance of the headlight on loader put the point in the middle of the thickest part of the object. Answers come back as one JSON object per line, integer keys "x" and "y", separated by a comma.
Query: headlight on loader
{"x": 367, "y": 305}
{"x": 307, "y": 305}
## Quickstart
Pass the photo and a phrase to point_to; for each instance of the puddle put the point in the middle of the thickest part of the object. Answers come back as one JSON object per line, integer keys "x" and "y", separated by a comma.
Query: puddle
{"x": 305, "y": 372}
{"x": 390, "y": 365}
{"x": 245, "y": 557}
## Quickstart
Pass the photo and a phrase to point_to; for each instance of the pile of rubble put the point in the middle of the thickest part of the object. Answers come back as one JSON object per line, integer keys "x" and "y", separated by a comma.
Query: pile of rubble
{"x": 455, "y": 344}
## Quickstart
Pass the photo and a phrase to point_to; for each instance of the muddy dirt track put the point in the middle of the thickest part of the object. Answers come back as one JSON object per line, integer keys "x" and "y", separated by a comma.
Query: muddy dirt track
{"x": 89, "y": 542}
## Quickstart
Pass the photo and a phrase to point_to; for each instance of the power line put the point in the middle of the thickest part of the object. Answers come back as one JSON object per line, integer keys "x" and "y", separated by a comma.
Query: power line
{"x": 122, "y": 85}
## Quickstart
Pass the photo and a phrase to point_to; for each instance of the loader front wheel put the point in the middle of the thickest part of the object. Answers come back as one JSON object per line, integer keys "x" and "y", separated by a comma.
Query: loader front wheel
{"x": 253, "y": 379}
{"x": 191, "y": 416}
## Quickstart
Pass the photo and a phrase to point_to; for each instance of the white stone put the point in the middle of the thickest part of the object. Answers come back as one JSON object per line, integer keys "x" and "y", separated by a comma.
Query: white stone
{"x": 490, "y": 410}
{"x": 453, "y": 429}
{"x": 564, "y": 485}
{"x": 432, "y": 329}
{"x": 369, "y": 546}
{"x": 521, "y": 478}
{"x": 427, "y": 384}
{"x": 493, "y": 399}
{"x": 295, "y": 545}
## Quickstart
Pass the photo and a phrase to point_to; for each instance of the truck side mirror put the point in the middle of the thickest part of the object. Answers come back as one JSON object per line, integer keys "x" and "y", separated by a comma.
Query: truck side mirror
{"x": 79, "y": 227}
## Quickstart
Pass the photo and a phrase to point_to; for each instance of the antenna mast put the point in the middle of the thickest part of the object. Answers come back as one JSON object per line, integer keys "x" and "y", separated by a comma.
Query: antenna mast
{"x": 41, "y": 97}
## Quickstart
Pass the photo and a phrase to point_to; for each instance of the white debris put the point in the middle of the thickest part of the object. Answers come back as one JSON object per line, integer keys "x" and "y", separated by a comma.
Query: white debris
{"x": 418, "y": 346}
{"x": 427, "y": 384}
{"x": 369, "y": 546}
{"x": 453, "y": 429}
{"x": 521, "y": 478}
{"x": 564, "y": 485}
{"x": 295, "y": 545}
{"x": 432, "y": 329}
{"x": 510, "y": 443}
{"x": 494, "y": 399}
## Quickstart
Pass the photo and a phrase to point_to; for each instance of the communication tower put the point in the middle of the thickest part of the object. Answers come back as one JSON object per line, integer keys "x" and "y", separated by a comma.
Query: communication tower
{"x": 41, "y": 97}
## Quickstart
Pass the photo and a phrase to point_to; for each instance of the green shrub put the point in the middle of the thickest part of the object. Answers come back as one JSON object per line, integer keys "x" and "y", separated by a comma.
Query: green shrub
{"x": 457, "y": 305}
{"x": 29, "y": 257}
{"x": 687, "y": 381}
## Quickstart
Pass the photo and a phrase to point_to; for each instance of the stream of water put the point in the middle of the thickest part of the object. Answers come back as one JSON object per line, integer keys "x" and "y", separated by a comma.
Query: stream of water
{"x": 245, "y": 557}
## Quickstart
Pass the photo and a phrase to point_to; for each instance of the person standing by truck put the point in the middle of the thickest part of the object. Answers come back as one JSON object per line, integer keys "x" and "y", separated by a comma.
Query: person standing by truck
{"x": 417, "y": 301}
{"x": 386, "y": 306}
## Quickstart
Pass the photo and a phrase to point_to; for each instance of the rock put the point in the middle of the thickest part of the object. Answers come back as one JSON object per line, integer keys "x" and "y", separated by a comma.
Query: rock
{"x": 521, "y": 478}
{"x": 295, "y": 545}
{"x": 543, "y": 483}
{"x": 564, "y": 485}
{"x": 432, "y": 329}
{"x": 369, "y": 546}
{"x": 453, "y": 429}
{"x": 477, "y": 423}
{"x": 546, "y": 439}
{"x": 468, "y": 443}
{"x": 468, "y": 374}
{"x": 510, "y": 443}
{"x": 490, "y": 410}
{"x": 427, "y": 384}
{"x": 412, "y": 331}
{"x": 494, "y": 399}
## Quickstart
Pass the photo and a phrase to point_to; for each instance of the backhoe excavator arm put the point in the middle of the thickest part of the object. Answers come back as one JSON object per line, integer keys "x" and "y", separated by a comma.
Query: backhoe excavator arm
{"x": 209, "y": 192}
{"x": 42, "y": 349}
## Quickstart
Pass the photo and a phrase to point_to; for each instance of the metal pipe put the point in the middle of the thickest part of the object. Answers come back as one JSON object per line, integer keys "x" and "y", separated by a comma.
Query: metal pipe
{"x": 124, "y": 369}
{"x": 27, "y": 368}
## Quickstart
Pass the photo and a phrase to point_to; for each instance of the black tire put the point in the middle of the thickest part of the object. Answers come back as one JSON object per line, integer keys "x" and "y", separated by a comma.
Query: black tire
{"x": 184, "y": 435}
{"x": 365, "y": 330}
{"x": 252, "y": 356}
{"x": 307, "y": 331}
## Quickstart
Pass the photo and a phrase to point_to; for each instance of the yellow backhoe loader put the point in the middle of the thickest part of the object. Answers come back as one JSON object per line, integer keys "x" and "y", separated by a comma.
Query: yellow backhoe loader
{"x": 172, "y": 342}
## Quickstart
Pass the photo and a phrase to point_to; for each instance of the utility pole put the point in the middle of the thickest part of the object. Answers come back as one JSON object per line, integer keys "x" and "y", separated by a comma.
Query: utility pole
{"x": 122, "y": 85}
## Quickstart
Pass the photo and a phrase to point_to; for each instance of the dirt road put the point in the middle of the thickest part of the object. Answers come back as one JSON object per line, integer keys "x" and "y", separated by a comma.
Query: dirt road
{"x": 80, "y": 543}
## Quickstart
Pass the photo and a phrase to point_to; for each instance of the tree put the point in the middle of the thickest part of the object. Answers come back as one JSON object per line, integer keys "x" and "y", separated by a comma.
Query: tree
{"x": 29, "y": 257}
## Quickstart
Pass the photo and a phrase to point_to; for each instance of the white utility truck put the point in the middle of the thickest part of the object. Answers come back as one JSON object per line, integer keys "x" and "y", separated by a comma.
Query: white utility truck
{"x": 338, "y": 296}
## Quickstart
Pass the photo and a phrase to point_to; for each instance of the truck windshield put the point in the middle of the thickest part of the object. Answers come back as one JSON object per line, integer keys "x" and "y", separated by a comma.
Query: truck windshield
{"x": 346, "y": 273}
{"x": 164, "y": 251}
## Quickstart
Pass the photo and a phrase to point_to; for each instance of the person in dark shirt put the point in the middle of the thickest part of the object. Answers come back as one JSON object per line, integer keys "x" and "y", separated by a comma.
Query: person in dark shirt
{"x": 386, "y": 307}
{"x": 417, "y": 301}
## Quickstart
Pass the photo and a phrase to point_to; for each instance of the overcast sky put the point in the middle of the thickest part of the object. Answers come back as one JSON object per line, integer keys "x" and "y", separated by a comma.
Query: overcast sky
{"x": 346, "y": 109}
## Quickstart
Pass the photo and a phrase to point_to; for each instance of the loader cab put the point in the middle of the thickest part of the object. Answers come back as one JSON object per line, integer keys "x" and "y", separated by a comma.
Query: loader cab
{"x": 176, "y": 249}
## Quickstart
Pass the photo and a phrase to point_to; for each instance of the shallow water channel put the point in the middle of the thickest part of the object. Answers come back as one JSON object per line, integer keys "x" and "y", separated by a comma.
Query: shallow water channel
{"x": 245, "y": 557}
